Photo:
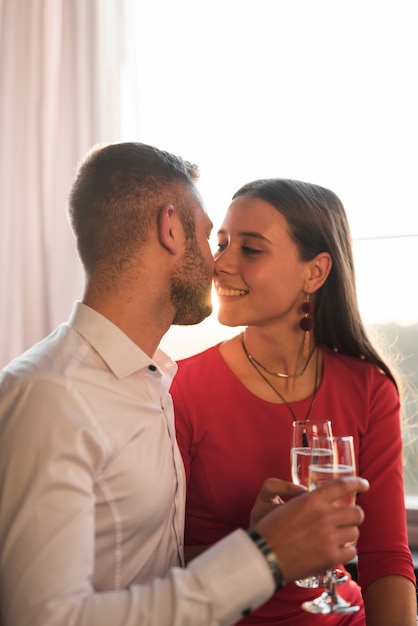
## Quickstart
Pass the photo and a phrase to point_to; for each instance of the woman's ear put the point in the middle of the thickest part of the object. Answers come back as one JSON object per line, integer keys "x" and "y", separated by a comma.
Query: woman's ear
{"x": 169, "y": 228}
{"x": 320, "y": 268}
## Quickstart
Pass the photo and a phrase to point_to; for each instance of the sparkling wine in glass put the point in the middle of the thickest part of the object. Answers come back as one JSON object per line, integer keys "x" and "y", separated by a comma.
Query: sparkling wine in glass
{"x": 339, "y": 462}
{"x": 301, "y": 450}
{"x": 300, "y": 460}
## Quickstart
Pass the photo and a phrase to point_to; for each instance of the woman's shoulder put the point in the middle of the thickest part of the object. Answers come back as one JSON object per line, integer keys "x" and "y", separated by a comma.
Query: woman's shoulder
{"x": 205, "y": 363}
{"x": 207, "y": 355}
{"x": 341, "y": 365}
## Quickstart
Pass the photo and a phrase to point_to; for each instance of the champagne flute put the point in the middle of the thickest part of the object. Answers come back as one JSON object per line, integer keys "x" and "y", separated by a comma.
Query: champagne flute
{"x": 323, "y": 468}
{"x": 301, "y": 450}
{"x": 300, "y": 459}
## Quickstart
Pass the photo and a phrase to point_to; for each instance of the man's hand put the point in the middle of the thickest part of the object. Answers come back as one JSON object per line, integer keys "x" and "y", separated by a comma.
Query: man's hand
{"x": 310, "y": 533}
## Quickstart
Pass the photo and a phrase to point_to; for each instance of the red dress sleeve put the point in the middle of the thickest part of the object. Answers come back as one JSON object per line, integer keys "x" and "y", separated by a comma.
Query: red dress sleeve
{"x": 365, "y": 403}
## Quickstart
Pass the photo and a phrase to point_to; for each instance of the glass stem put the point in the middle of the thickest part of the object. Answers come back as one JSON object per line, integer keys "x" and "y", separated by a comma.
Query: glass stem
{"x": 331, "y": 586}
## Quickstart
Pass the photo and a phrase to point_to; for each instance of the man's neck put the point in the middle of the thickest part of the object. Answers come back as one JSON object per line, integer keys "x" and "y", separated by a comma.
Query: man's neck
{"x": 138, "y": 321}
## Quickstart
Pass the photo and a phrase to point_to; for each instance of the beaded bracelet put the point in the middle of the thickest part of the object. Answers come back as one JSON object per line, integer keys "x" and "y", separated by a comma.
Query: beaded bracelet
{"x": 270, "y": 557}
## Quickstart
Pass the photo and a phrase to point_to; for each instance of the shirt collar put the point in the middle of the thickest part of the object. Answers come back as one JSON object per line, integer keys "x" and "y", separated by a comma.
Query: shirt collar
{"x": 117, "y": 350}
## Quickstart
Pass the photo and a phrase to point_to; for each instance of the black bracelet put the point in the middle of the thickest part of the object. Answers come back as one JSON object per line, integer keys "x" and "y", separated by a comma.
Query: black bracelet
{"x": 270, "y": 557}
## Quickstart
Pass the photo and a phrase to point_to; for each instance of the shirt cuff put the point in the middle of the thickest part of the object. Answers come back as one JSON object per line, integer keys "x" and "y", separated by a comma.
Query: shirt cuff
{"x": 235, "y": 575}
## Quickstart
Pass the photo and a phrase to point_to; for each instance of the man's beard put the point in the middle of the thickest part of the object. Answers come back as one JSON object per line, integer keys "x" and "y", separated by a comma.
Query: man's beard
{"x": 191, "y": 287}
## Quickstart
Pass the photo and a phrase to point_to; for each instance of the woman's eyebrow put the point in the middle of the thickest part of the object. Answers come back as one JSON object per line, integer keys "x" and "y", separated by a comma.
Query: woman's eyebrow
{"x": 249, "y": 233}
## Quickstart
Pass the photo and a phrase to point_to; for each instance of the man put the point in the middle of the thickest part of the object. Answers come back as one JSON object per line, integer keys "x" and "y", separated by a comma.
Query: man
{"x": 91, "y": 479}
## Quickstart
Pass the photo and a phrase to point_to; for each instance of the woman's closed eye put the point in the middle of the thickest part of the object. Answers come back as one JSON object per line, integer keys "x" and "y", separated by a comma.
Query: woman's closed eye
{"x": 245, "y": 250}
{"x": 250, "y": 251}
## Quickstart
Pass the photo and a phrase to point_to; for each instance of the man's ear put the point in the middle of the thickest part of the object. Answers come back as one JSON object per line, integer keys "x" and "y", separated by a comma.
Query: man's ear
{"x": 319, "y": 269}
{"x": 169, "y": 229}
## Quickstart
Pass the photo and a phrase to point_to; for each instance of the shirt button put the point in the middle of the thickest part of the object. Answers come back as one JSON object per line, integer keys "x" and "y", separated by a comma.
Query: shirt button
{"x": 152, "y": 368}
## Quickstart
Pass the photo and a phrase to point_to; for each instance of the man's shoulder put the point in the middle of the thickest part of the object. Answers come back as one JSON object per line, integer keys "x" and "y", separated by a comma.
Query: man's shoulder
{"x": 51, "y": 357}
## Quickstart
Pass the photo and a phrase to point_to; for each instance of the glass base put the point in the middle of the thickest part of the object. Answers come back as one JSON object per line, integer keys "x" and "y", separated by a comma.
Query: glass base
{"x": 313, "y": 582}
{"x": 330, "y": 603}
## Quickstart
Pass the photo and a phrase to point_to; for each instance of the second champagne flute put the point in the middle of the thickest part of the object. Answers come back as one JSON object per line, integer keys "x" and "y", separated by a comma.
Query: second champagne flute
{"x": 324, "y": 468}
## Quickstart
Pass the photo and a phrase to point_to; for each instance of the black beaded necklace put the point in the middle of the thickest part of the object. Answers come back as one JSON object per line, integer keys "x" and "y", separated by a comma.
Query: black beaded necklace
{"x": 255, "y": 365}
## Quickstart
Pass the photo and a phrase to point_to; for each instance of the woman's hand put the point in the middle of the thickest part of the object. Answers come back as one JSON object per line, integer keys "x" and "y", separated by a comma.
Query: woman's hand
{"x": 271, "y": 495}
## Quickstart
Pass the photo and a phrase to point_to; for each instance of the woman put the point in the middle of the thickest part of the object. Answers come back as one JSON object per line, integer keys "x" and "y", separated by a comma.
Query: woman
{"x": 284, "y": 270}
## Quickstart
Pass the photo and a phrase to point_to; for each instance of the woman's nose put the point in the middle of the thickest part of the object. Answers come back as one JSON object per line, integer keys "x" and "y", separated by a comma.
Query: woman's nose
{"x": 224, "y": 261}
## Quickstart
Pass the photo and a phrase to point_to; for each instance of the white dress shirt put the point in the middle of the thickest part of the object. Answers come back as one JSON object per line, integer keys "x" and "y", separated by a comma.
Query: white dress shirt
{"x": 92, "y": 493}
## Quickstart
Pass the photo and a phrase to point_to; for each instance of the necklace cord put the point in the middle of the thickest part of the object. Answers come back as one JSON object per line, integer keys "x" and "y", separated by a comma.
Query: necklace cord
{"x": 280, "y": 374}
{"x": 253, "y": 362}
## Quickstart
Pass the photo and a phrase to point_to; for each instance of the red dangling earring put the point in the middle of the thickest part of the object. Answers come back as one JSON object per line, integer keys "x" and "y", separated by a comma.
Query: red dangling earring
{"x": 306, "y": 324}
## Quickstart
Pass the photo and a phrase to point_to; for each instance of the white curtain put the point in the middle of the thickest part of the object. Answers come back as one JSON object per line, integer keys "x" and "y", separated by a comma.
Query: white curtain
{"x": 59, "y": 94}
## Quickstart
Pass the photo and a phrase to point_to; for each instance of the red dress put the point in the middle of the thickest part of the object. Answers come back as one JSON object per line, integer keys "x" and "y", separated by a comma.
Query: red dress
{"x": 231, "y": 440}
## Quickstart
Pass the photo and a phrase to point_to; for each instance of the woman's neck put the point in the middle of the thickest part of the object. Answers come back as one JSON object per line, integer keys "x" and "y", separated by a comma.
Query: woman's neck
{"x": 278, "y": 355}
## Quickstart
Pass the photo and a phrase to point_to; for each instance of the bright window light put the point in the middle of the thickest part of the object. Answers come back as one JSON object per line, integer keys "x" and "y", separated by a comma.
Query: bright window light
{"x": 320, "y": 91}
